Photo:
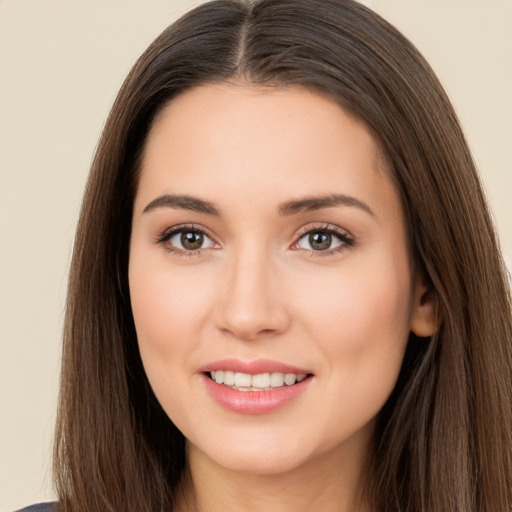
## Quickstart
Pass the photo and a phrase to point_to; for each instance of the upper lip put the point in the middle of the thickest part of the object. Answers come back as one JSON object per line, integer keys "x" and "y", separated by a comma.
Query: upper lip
{"x": 253, "y": 367}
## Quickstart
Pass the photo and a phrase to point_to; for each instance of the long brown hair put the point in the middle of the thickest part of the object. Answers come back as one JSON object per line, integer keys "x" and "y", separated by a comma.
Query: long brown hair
{"x": 444, "y": 438}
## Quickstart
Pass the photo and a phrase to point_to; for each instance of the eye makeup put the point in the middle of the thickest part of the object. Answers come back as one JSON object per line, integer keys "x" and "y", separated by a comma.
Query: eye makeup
{"x": 324, "y": 240}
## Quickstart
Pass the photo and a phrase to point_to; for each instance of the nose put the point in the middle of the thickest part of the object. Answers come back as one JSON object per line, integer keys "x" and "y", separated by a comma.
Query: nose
{"x": 253, "y": 302}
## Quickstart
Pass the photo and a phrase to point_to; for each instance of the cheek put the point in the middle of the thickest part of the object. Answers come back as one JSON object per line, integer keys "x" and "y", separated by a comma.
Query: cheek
{"x": 360, "y": 320}
{"x": 166, "y": 303}
{"x": 351, "y": 304}
{"x": 168, "y": 308}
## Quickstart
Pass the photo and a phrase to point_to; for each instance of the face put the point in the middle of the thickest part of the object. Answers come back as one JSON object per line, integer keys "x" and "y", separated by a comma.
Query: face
{"x": 269, "y": 275}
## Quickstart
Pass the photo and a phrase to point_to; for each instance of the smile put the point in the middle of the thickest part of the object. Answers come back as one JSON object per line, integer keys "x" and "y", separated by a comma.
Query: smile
{"x": 259, "y": 382}
{"x": 255, "y": 387}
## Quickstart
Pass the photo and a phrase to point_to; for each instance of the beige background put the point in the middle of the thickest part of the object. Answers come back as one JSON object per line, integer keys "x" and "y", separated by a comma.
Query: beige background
{"x": 61, "y": 63}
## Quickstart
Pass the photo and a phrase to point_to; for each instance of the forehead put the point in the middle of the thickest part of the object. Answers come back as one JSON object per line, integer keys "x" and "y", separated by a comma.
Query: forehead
{"x": 260, "y": 143}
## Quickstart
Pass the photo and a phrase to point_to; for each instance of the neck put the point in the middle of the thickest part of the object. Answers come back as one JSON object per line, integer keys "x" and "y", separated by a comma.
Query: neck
{"x": 315, "y": 485}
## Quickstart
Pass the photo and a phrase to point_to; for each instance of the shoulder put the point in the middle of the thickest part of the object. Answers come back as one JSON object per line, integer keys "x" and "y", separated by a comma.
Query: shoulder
{"x": 40, "y": 507}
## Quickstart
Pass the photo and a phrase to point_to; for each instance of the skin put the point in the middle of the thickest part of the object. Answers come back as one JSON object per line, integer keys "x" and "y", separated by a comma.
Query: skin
{"x": 260, "y": 288}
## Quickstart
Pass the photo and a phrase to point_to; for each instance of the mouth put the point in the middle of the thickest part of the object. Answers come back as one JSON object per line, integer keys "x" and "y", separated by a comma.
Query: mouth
{"x": 255, "y": 387}
{"x": 240, "y": 381}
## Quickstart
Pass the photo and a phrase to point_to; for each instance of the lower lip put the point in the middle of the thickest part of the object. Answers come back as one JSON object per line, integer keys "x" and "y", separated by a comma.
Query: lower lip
{"x": 254, "y": 402}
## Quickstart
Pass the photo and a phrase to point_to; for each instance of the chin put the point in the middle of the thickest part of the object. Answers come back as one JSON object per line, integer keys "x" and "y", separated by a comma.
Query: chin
{"x": 266, "y": 457}
{"x": 268, "y": 463}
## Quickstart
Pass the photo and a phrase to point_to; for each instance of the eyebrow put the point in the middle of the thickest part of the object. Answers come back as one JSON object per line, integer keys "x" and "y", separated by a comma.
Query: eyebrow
{"x": 319, "y": 202}
{"x": 183, "y": 202}
{"x": 305, "y": 204}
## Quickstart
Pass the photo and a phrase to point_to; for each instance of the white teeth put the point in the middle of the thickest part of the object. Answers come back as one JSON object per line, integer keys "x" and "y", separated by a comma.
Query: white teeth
{"x": 229, "y": 378}
{"x": 276, "y": 380}
{"x": 260, "y": 381}
{"x": 290, "y": 378}
{"x": 242, "y": 380}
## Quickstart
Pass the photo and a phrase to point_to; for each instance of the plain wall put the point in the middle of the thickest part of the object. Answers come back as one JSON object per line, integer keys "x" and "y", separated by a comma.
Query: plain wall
{"x": 61, "y": 64}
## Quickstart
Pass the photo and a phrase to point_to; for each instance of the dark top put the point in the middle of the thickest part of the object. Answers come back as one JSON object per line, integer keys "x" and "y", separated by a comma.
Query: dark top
{"x": 40, "y": 507}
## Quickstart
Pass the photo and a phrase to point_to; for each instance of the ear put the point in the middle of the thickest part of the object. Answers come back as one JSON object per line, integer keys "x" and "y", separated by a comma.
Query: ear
{"x": 424, "y": 321}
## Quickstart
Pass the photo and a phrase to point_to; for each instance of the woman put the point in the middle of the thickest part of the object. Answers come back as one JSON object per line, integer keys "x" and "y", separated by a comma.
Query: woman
{"x": 286, "y": 291}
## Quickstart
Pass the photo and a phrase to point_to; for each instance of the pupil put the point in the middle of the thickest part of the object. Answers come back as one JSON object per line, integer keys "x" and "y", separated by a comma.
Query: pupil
{"x": 320, "y": 241}
{"x": 191, "y": 240}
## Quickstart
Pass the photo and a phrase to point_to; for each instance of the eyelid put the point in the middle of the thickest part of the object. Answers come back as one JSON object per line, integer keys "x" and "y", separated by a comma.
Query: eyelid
{"x": 164, "y": 236}
{"x": 342, "y": 234}
{"x": 331, "y": 228}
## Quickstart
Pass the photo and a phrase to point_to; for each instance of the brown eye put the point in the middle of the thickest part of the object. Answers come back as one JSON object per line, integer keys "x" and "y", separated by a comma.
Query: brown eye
{"x": 191, "y": 240}
{"x": 187, "y": 240}
{"x": 322, "y": 240}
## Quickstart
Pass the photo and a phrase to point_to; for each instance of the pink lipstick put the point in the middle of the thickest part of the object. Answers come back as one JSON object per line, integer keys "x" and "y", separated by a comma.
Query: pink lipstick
{"x": 254, "y": 387}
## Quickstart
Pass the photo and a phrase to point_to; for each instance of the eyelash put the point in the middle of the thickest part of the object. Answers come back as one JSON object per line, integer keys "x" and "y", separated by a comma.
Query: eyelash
{"x": 346, "y": 240}
{"x": 167, "y": 234}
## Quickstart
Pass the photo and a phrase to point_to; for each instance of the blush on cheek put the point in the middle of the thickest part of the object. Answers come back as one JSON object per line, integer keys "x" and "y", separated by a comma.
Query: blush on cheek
{"x": 350, "y": 308}
{"x": 158, "y": 304}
